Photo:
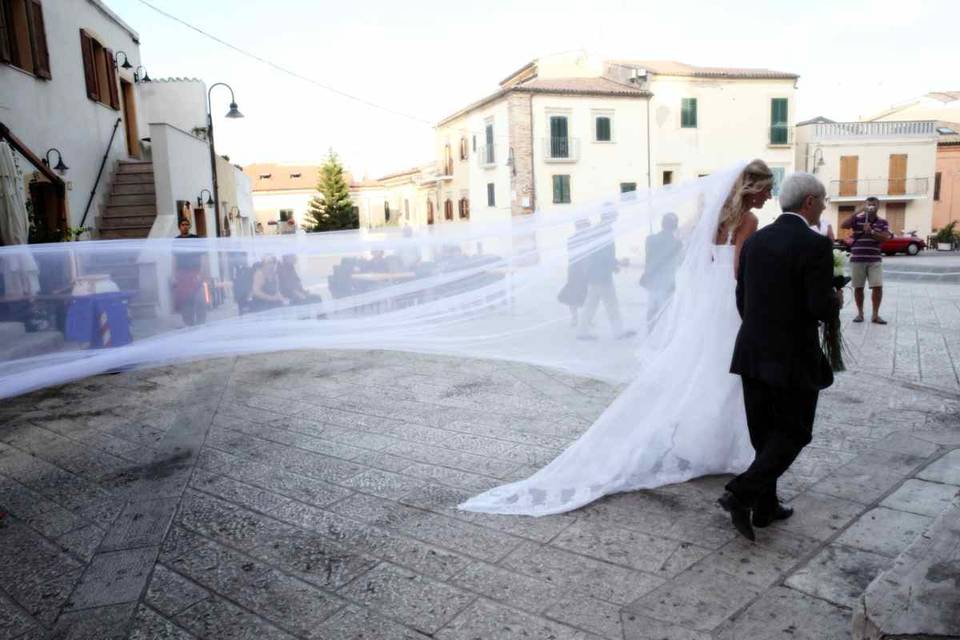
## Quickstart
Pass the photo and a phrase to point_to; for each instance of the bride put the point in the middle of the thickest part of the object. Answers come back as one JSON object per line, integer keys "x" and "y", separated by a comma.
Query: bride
{"x": 672, "y": 423}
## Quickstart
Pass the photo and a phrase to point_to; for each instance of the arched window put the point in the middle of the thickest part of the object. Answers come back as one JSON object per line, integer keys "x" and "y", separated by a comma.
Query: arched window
{"x": 448, "y": 209}
{"x": 464, "y": 208}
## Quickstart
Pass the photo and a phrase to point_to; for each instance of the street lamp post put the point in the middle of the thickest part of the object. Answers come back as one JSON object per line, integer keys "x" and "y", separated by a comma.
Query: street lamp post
{"x": 233, "y": 113}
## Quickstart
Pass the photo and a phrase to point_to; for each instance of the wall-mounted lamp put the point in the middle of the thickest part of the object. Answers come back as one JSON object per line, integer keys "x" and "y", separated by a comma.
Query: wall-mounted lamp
{"x": 209, "y": 201}
{"x": 137, "y": 77}
{"x": 126, "y": 62}
{"x": 61, "y": 168}
{"x": 817, "y": 163}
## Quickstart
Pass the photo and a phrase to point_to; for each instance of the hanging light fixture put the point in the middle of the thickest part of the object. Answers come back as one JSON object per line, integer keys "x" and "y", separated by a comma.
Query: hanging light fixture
{"x": 209, "y": 201}
{"x": 61, "y": 168}
{"x": 126, "y": 62}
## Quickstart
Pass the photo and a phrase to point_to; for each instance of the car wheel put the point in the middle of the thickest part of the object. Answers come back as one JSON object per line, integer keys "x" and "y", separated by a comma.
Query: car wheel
{"x": 912, "y": 249}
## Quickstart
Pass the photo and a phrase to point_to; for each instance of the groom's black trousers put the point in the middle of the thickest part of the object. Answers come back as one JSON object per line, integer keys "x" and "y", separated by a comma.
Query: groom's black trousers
{"x": 780, "y": 421}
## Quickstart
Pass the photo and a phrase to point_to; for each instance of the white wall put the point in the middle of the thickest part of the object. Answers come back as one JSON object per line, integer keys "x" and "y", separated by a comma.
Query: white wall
{"x": 58, "y": 113}
{"x": 600, "y": 166}
{"x": 267, "y": 206}
{"x": 181, "y": 169}
{"x": 179, "y": 102}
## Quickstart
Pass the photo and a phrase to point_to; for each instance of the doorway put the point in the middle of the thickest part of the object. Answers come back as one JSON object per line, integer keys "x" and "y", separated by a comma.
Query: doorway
{"x": 130, "y": 119}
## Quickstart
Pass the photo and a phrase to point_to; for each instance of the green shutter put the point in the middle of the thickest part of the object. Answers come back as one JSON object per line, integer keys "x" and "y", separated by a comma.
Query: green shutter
{"x": 688, "y": 113}
{"x": 561, "y": 189}
{"x": 603, "y": 129}
{"x": 778, "y": 121}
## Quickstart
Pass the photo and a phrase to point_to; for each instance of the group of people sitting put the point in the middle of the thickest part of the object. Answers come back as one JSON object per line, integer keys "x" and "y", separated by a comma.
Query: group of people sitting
{"x": 270, "y": 283}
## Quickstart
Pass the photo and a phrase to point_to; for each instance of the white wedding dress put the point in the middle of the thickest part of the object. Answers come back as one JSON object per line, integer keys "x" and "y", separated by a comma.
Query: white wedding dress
{"x": 682, "y": 416}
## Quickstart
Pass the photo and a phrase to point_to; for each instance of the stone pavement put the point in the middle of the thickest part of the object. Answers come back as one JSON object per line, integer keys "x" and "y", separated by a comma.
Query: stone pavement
{"x": 312, "y": 495}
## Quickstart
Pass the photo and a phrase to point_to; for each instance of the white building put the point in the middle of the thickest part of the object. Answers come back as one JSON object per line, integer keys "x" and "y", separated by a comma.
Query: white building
{"x": 569, "y": 129}
{"x": 62, "y": 87}
{"x": 936, "y": 105}
{"x": 893, "y": 161}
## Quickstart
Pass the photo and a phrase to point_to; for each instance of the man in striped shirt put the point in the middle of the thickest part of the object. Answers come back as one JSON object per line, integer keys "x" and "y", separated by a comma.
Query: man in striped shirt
{"x": 869, "y": 231}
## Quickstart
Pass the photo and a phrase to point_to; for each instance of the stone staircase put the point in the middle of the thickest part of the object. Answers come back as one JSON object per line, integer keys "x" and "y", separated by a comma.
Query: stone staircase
{"x": 132, "y": 204}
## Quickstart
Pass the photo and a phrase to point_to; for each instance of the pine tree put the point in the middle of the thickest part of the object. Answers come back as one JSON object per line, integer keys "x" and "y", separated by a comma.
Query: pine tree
{"x": 332, "y": 209}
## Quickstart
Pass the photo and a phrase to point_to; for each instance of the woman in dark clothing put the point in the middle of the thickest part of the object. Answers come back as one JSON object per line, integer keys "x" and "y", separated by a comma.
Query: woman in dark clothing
{"x": 574, "y": 292}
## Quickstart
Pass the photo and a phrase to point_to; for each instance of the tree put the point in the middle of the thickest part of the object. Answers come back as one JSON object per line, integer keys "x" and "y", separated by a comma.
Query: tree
{"x": 332, "y": 209}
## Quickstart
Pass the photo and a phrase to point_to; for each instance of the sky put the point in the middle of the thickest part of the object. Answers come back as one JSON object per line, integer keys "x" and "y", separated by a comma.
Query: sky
{"x": 428, "y": 58}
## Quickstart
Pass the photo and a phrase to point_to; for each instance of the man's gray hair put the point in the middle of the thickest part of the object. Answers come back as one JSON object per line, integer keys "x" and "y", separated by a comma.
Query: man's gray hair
{"x": 797, "y": 187}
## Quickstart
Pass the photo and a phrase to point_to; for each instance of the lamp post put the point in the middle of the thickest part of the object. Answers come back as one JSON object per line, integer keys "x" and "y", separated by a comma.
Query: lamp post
{"x": 233, "y": 113}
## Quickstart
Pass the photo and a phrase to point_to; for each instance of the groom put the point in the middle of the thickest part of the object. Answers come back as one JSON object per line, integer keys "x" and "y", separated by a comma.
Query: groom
{"x": 784, "y": 289}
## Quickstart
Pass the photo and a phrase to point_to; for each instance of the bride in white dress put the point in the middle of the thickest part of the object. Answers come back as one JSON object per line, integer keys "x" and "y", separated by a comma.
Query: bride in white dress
{"x": 682, "y": 416}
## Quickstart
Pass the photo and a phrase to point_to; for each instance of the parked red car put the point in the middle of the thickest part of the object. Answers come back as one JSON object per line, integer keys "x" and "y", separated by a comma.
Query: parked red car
{"x": 908, "y": 243}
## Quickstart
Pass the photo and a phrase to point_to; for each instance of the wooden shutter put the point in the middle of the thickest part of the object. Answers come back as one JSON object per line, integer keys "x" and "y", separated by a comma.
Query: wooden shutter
{"x": 89, "y": 69}
{"x": 897, "y": 185}
{"x": 38, "y": 39}
{"x": 112, "y": 82}
{"x": 7, "y": 41}
{"x": 848, "y": 175}
{"x": 896, "y": 217}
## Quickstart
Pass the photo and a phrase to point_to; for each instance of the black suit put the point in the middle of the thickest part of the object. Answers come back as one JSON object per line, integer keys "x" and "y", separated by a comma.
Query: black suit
{"x": 784, "y": 289}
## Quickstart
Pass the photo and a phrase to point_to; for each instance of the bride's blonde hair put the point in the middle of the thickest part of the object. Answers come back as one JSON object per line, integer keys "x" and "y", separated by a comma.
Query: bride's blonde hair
{"x": 755, "y": 178}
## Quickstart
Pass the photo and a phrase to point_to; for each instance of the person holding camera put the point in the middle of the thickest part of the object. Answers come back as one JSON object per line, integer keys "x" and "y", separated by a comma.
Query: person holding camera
{"x": 866, "y": 266}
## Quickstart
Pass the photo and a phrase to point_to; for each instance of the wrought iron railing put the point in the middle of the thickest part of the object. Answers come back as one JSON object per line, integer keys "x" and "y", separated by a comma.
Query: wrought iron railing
{"x": 879, "y": 187}
{"x": 561, "y": 149}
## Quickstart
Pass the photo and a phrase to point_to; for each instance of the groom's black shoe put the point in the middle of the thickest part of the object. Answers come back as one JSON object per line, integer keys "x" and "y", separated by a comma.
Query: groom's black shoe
{"x": 762, "y": 520}
{"x": 739, "y": 515}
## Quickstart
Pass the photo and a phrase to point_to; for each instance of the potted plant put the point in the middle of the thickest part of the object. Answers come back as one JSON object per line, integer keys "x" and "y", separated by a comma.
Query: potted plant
{"x": 946, "y": 236}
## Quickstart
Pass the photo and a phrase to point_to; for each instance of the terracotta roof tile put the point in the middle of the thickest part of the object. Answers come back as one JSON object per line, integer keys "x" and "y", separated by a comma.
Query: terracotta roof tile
{"x": 285, "y": 177}
{"x": 674, "y": 68}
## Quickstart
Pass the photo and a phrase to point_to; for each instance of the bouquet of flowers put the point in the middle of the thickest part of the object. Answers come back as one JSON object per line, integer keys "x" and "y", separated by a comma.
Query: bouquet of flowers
{"x": 833, "y": 344}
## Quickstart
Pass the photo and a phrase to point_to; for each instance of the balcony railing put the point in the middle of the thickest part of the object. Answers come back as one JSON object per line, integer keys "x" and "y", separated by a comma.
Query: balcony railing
{"x": 906, "y": 129}
{"x": 909, "y": 187}
{"x": 561, "y": 149}
{"x": 781, "y": 135}
{"x": 486, "y": 156}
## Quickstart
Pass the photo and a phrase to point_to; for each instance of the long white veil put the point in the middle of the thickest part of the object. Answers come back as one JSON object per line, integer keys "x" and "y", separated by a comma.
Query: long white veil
{"x": 473, "y": 289}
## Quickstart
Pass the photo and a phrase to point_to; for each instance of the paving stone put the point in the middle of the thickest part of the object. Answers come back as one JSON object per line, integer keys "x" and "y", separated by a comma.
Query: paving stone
{"x": 901, "y": 442}
{"x": 682, "y": 559}
{"x": 28, "y": 558}
{"x": 640, "y": 627}
{"x": 601, "y": 618}
{"x": 383, "y": 484}
{"x": 869, "y": 476}
{"x": 945, "y": 470}
{"x": 14, "y": 622}
{"x": 114, "y": 578}
{"x": 762, "y": 563}
{"x": 698, "y": 599}
{"x": 103, "y": 623}
{"x": 618, "y": 546}
{"x": 884, "y": 531}
{"x": 596, "y": 578}
{"x": 485, "y": 619}
{"x": 226, "y": 522}
{"x": 150, "y": 626}
{"x": 315, "y": 558}
{"x": 819, "y": 516}
{"x": 508, "y": 587}
{"x": 170, "y": 593}
{"x": 82, "y": 542}
{"x": 141, "y": 524}
{"x": 217, "y": 618}
{"x": 785, "y": 613}
{"x": 421, "y": 603}
{"x": 838, "y": 574}
{"x": 354, "y": 623}
{"x": 922, "y": 497}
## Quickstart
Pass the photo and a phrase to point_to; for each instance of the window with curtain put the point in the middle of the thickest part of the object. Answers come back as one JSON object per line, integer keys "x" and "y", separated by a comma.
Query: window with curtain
{"x": 561, "y": 189}
{"x": 23, "y": 37}
{"x": 688, "y": 113}
{"x": 779, "y": 129}
{"x": 604, "y": 130}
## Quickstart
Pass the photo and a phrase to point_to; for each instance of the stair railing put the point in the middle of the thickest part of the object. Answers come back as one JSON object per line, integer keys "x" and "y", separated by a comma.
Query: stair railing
{"x": 103, "y": 163}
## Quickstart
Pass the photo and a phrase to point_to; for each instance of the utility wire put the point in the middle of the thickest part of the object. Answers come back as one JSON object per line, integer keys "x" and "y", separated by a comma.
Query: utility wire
{"x": 285, "y": 70}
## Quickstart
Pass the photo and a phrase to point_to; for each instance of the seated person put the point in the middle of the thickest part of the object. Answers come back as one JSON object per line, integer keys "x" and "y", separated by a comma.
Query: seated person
{"x": 265, "y": 292}
{"x": 376, "y": 264}
{"x": 291, "y": 287}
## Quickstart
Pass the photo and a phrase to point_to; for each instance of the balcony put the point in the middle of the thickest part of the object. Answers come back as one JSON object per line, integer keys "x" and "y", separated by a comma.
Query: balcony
{"x": 780, "y": 135}
{"x": 486, "y": 156}
{"x": 906, "y": 129}
{"x": 561, "y": 149}
{"x": 886, "y": 189}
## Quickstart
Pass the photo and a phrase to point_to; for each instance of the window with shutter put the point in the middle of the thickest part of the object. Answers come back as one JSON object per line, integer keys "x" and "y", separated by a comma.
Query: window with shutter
{"x": 448, "y": 210}
{"x": 688, "y": 113}
{"x": 38, "y": 40}
{"x": 89, "y": 69}
{"x": 113, "y": 85}
{"x": 6, "y": 32}
{"x": 603, "y": 129}
{"x": 561, "y": 189}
